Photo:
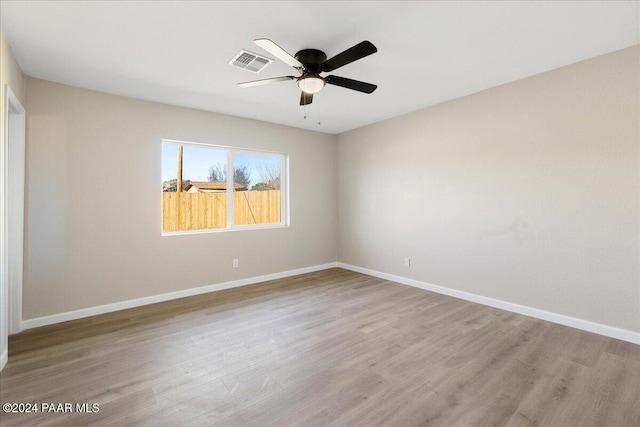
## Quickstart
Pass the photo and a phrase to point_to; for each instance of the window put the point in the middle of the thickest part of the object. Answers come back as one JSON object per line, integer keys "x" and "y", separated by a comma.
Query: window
{"x": 208, "y": 187}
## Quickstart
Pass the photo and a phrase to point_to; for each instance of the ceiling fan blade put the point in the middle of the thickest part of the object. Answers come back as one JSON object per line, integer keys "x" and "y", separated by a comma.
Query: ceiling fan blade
{"x": 265, "y": 81}
{"x": 305, "y": 98}
{"x": 354, "y": 53}
{"x": 350, "y": 84}
{"x": 278, "y": 52}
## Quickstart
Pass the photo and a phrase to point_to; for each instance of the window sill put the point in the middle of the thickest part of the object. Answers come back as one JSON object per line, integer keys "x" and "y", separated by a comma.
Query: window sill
{"x": 224, "y": 230}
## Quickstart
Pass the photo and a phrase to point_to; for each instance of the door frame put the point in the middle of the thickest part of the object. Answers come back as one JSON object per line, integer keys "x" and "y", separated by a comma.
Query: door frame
{"x": 12, "y": 211}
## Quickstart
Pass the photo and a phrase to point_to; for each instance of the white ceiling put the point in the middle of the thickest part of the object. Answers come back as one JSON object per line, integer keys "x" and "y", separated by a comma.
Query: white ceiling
{"x": 428, "y": 52}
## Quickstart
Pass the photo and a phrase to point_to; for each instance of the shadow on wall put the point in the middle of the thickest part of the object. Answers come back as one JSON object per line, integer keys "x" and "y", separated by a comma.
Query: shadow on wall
{"x": 513, "y": 230}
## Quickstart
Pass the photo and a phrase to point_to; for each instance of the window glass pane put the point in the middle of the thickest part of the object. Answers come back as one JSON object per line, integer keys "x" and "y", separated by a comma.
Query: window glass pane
{"x": 202, "y": 202}
{"x": 195, "y": 195}
{"x": 256, "y": 196}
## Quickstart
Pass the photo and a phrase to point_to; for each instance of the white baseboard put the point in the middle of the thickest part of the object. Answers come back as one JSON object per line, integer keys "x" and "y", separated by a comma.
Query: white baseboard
{"x": 3, "y": 359}
{"x": 585, "y": 325}
{"x": 122, "y": 305}
{"x": 609, "y": 331}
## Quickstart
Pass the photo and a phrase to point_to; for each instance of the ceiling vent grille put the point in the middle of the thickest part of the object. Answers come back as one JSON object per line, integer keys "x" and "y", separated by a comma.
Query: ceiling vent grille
{"x": 250, "y": 61}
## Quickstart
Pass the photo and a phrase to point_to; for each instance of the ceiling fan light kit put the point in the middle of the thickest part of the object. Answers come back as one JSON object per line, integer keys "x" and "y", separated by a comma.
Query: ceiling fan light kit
{"x": 311, "y": 84}
{"x": 311, "y": 62}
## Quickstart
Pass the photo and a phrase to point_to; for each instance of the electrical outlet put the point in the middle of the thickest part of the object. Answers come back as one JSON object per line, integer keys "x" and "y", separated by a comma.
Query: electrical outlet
{"x": 407, "y": 262}
{"x": 235, "y": 263}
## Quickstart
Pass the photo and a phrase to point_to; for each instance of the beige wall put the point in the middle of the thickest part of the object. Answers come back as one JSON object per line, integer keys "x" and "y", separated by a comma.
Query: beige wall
{"x": 527, "y": 192}
{"x": 94, "y": 200}
{"x": 10, "y": 74}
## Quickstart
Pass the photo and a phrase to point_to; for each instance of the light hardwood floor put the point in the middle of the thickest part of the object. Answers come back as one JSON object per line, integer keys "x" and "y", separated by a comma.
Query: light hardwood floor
{"x": 331, "y": 348}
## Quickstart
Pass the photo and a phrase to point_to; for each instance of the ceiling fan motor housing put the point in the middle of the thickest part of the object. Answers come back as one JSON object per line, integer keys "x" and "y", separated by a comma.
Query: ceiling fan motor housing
{"x": 311, "y": 59}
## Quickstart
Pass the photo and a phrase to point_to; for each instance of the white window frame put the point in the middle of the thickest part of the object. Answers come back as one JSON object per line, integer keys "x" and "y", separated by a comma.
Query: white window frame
{"x": 284, "y": 189}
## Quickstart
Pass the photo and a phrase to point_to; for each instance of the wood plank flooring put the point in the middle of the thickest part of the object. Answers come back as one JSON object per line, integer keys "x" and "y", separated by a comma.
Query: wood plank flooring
{"x": 331, "y": 348}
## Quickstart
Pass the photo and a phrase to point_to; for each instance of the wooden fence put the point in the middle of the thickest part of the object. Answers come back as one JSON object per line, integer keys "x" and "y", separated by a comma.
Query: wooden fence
{"x": 196, "y": 211}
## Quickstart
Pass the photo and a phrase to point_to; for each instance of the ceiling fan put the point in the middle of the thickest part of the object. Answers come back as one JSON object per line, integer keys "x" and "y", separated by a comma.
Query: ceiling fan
{"x": 311, "y": 62}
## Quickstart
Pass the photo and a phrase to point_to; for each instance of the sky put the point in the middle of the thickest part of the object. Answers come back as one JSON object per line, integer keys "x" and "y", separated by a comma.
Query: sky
{"x": 196, "y": 161}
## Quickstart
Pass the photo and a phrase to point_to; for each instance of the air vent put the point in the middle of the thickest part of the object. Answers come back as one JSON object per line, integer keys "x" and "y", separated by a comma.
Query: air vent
{"x": 250, "y": 61}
